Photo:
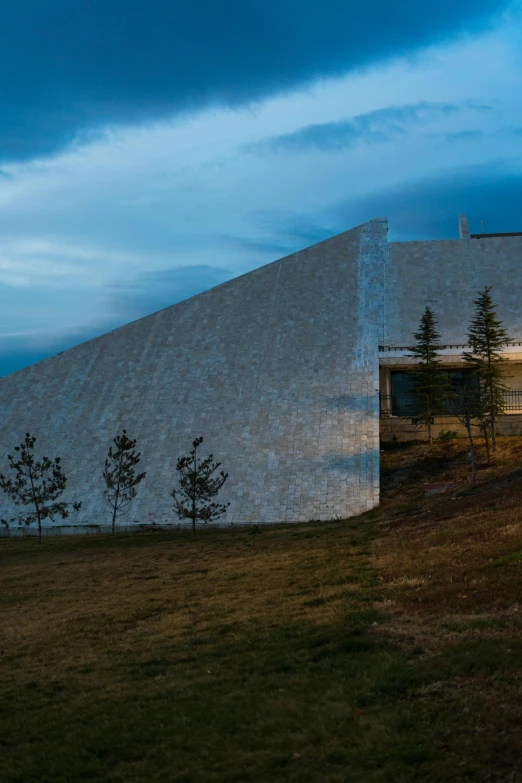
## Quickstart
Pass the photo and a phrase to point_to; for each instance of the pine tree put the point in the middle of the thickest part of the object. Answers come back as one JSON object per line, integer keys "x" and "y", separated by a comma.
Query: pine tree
{"x": 197, "y": 487}
{"x": 119, "y": 475}
{"x": 429, "y": 384}
{"x": 36, "y": 484}
{"x": 486, "y": 338}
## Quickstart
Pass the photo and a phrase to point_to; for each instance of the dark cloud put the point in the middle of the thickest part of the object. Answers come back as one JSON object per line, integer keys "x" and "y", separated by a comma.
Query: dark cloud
{"x": 374, "y": 127}
{"x": 424, "y": 209}
{"x": 463, "y": 135}
{"x": 420, "y": 209}
{"x": 150, "y": 292}
{"x": 428, "y": 209}
{"x": 70, "y": 67}
{"x": 291, "y": 230}
{"x": 17, "y": 360}
{"x": 18, "y": 351}
{"x": 153, "y": 291}
{"x": 252, "y": 246}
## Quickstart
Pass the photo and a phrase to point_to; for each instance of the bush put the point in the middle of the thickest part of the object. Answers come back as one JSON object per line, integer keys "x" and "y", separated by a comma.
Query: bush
{"x": 449, "y": 435}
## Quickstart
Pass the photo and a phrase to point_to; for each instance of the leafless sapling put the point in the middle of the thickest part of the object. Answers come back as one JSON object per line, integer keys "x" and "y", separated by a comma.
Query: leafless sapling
{"x": 120, "y": 476}
{"x": 37, "y": 484}
{"x": 197, "y": 487}
{"x": 464, "y": 404}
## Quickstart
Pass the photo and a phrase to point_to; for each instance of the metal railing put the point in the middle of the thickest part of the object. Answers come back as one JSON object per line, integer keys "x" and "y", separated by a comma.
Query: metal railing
{"x": 450, "y": 346}
{"x": 406, "y": 404}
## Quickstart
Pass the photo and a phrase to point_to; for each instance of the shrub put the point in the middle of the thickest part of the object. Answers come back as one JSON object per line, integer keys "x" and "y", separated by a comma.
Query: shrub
{"x": 449, "y": 435}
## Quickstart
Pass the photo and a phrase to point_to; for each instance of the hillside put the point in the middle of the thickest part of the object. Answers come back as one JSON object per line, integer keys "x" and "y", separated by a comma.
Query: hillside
{"x": 382, "y": 648}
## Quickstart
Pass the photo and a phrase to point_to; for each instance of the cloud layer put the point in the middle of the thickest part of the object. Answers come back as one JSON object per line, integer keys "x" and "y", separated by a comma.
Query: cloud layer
{"x": 74, "y": 68}
{"x": 374, "y": 127}
{"x": 138, "y": 216}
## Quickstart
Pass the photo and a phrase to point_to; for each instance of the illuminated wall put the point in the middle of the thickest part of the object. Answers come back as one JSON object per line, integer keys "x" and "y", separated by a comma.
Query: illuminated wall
{"x": 277, "y": 369}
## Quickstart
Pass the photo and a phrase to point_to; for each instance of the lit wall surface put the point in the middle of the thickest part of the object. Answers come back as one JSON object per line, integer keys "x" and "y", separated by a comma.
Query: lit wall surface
{"x": 446, "y": 275}
{"x": 277, "y": 370}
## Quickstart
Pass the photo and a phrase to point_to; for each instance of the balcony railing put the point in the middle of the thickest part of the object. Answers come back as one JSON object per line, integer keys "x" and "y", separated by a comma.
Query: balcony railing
{"x": 406, "y": 404}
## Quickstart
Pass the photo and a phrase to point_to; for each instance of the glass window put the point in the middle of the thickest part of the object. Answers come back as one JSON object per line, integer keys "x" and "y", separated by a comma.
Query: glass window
{"x": 403, "y": 401}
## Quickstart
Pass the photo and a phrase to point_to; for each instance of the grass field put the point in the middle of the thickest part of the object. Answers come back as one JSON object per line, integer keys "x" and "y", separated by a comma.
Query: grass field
{"x": 381, "y": 648}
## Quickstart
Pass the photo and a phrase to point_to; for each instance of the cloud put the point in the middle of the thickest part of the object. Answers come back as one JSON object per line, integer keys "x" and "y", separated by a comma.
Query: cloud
{"x": 148, "y": 293}
{"x": 428, "y": 208}
{"x": 463, "y": 135}
{"x": 419, "y": 209}
{"x": 374, "y": 127}
{"x": 152, "y": 291}
{"x": 145, "y": 216}
{"x": 290, "y": 229}
{"x": 16, "y": 353}
{"x": 75, "y": 68}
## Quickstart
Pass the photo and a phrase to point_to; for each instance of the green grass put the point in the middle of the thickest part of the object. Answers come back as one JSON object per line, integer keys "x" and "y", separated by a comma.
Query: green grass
{"x": 220, "y": 668}
{"x": 379, "y": 649}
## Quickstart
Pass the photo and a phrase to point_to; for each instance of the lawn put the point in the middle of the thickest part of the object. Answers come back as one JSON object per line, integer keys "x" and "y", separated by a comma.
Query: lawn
{"x": 382, "y": 648}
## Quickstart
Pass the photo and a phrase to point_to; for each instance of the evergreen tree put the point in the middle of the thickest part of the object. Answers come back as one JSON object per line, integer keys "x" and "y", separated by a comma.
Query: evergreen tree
{"x": 119, "y": 475}
{"x": 429, "y": 383}
{"x": 197, "y": 487}
{"x": 486, "y": 338}
{"x": 36, "y": 484}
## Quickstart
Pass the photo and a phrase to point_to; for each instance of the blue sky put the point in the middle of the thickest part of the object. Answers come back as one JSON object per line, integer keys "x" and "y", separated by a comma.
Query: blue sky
{"x": 150, "y": 150}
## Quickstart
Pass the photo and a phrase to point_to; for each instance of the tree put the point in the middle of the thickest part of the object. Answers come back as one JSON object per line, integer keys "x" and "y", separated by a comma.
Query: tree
{"x": 119, "y": 475}
{"x": 429, "y": 383}
{"x": 464, "y": 404}
{"x": 197, "y": 487}
{"x": 486, "y": 338}
{"x": 36, "y": 484}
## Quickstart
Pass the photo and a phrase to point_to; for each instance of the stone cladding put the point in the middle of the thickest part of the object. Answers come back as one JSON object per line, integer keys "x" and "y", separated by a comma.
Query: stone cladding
{"x": 277, "y": 370}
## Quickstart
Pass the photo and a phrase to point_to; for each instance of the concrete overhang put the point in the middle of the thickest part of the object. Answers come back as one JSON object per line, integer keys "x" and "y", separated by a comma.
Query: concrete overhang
{"x": 391, "y": 356}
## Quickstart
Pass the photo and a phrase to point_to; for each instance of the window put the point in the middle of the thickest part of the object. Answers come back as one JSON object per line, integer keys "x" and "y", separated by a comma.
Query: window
{"x": 403, "y": 402}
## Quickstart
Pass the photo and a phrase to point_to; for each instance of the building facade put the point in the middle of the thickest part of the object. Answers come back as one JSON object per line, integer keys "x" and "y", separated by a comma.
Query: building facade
{"x": 280, "y": 370}
{"x": 446, "y": 276}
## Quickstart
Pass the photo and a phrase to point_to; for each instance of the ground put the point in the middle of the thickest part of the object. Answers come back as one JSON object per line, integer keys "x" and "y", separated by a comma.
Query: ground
{"x": 382, "y": 648}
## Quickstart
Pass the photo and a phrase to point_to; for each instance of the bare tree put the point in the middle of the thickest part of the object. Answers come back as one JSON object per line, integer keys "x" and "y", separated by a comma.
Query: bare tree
{"x": 464, "y": 404}
{"x": 198, "y": 486}
{"x": 119, "y": 475}
{"x": 36, "y": 484}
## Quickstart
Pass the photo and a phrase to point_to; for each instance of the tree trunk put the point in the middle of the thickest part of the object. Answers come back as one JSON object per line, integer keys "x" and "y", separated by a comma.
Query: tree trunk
{"x": 116, "y": 497}
{"x": 473, "y": 462}
{"x": 492, "y": 414}
{"x": 194, "y": 491}
{"x": 486, "y": 441}
{"x": 493, "y": 436}
{"x": 37, "y": 508}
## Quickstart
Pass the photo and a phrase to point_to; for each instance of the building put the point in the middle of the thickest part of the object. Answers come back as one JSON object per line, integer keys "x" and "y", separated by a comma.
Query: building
{"x": 446, "y": 275}
{"x": 279, "y": 370}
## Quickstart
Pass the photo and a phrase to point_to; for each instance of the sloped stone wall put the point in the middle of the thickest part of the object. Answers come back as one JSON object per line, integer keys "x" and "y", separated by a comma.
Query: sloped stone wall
{"x": 278, "y": 370}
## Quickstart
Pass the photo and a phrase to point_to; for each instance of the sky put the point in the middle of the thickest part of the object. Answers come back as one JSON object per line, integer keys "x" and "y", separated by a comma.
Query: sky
{"x": 150, "y": 150}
